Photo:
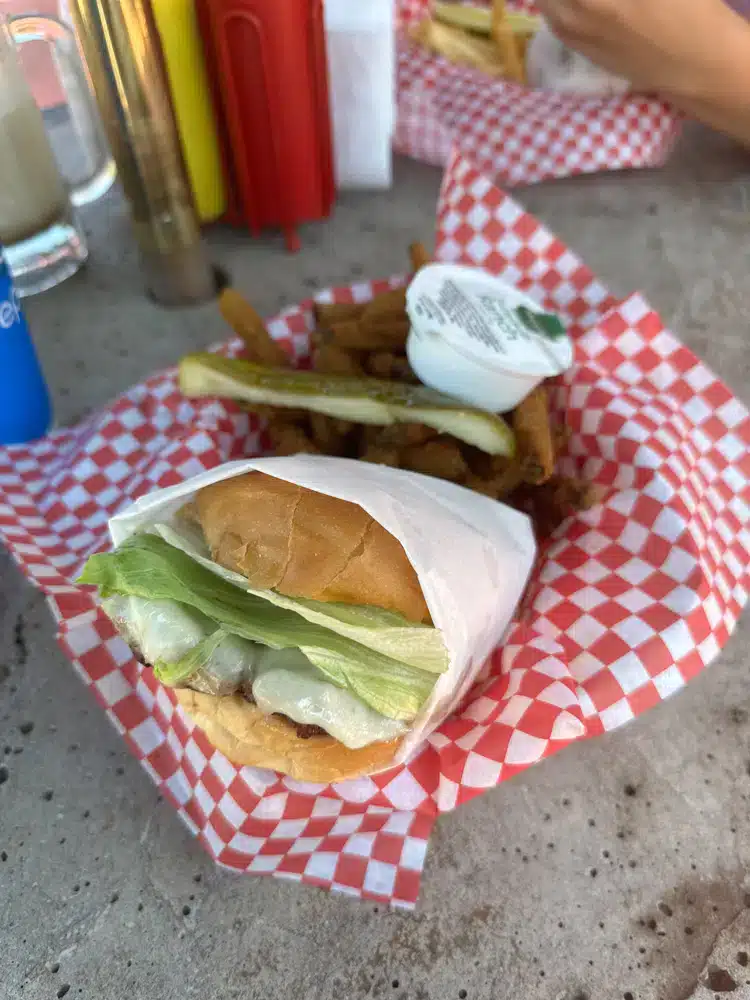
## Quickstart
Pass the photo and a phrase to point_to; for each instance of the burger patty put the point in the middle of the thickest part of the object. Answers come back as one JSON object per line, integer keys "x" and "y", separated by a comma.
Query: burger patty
{"x": 304, "y": 732}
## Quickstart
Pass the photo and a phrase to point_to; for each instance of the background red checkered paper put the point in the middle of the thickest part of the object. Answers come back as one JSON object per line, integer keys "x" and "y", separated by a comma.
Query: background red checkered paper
{"x": 628, "y": 602}
{"x": 517, "y": 135}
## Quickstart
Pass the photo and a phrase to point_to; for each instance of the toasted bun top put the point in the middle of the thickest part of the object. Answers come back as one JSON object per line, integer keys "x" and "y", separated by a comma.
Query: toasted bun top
{"x": 247, "y": 737}
{"x": 304, "y": 544}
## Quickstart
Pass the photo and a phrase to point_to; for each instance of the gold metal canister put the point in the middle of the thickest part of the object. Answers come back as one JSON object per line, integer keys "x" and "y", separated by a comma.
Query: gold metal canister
{"x": 120, "y": 44}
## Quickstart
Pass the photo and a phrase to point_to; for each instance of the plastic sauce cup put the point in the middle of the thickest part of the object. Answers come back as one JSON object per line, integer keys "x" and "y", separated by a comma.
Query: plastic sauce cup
{"x": 480, "y": 340}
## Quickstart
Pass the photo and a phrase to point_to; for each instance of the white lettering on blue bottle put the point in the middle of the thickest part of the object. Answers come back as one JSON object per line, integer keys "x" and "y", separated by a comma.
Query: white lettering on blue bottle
{"x": 25, "y": 412}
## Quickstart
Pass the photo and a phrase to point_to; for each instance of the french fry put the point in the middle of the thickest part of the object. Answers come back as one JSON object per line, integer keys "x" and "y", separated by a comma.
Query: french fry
{"x": 418, "y": 256}
{"x": 504, "y": 39}
{"x": 384, "y": 335}
{"x": 279, "y": 414}
{"x": 479, "y": 485}
{"x": 333, "y": 360}
{"x": 388, "y": 333}
{"x": 260, "y": 347}
{"x": 523, "y": 25}
{"x": 531, "y": 423}
{"x": 459, "y": 47}
{"x": 369, "y": 338}
{"x": 329, "y": 434}
{"x": 348, "y": 335}
{"x": 549, "y": 504}
{"x": 492, "y": 40}
{"x": 370, "y": 436}
{"x": 486, "y": 466}
{"x": 582, "y": 494}
{"x": 385, "y": 364}
{"x": 475, "y": 19}
{"x": 329, "y": 313}
{"x": 509, "y": 479}
{"x": 404, "y": 435}
{"x": 286, "y": 439}
{"x": 386, "y": 306}
{"x": 382, "y": 455}
{"x": 479, "y": 19}
{"x": 522, "y": 44}
{"x": 560, "y": 439}
{"x": 501, "y": 482}
{"x": 440, "y": 457}
{"x": 319, "y": 337}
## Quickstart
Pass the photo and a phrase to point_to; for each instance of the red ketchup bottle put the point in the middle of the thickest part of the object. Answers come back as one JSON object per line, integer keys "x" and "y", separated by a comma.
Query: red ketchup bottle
{"x": 267, "y": 64}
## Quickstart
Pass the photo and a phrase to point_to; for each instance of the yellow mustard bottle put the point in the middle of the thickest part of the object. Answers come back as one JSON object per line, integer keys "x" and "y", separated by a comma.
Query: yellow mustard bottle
{"x": 177, "y": 24}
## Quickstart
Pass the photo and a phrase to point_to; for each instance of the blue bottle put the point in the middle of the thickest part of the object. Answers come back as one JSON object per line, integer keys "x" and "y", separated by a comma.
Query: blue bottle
{"x": 25, "y": 412}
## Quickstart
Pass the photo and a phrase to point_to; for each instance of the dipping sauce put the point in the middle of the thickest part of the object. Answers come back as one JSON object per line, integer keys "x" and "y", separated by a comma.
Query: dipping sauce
{"x": 479, "y": 339}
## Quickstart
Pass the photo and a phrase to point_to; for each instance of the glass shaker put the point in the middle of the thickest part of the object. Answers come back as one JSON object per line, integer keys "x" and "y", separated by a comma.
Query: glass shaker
{"x": 39, "y": 230}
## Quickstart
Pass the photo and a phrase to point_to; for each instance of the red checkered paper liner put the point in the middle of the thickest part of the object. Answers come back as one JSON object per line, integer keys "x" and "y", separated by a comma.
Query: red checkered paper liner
{"x": 628, "y": 602}
{"x": 513, "y": 133}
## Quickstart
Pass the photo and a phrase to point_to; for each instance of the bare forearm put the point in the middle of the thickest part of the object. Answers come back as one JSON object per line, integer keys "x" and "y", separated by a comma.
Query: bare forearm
{"x": 724, "y": 101}
{"x": 695, "y": 52}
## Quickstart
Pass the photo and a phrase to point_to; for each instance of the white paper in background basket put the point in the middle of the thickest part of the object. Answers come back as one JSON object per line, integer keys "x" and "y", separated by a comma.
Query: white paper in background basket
{"x": 472, "y": 556}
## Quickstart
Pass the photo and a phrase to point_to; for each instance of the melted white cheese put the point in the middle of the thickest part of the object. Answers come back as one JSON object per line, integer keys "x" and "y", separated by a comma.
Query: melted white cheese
{"x": 285, "y": 680}
{"x": 301, "y": 695}
{"x": 229, "y": 665}
{"x": 159, "y": 630}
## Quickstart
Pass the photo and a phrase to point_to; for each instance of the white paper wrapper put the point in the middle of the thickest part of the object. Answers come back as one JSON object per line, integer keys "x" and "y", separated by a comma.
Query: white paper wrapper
{"x": 472, "y": 555}
{"x": 551, "y": 65}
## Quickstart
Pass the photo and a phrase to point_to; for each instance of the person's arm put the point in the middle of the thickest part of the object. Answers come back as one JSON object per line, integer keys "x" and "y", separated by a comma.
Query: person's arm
{"x": 724, "y": 103}
{"x": 696, "y": 53}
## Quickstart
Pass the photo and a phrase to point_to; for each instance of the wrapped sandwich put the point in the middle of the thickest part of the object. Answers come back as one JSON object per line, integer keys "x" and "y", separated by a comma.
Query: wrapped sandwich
{"x": 296, "y": 629}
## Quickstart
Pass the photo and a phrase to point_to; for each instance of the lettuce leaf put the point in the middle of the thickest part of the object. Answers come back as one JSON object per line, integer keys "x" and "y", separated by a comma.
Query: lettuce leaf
{"x": 147, "y": 566}
{"x": 386, "y": 632}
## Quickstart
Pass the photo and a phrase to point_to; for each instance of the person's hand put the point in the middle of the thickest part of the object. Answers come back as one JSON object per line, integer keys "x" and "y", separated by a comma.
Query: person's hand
{"x": 676, "y": 47}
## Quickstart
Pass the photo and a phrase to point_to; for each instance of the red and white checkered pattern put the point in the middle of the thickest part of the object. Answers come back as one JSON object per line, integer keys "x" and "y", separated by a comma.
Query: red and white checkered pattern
{"x": 514, "y": 134}
{"x": 629, "y": 601}
{"x": 643, "y": 591}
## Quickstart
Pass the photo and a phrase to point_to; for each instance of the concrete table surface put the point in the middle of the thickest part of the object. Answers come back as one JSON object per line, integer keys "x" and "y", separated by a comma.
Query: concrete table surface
{"x": 615, "y": 870}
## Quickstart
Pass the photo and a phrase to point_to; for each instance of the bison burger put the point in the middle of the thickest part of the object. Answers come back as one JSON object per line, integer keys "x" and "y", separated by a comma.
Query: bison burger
{"x": 291, "y": 624}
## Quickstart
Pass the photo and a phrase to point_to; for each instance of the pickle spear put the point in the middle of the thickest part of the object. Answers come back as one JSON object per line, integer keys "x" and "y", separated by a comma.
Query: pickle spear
{"x": 362, "y": 400}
